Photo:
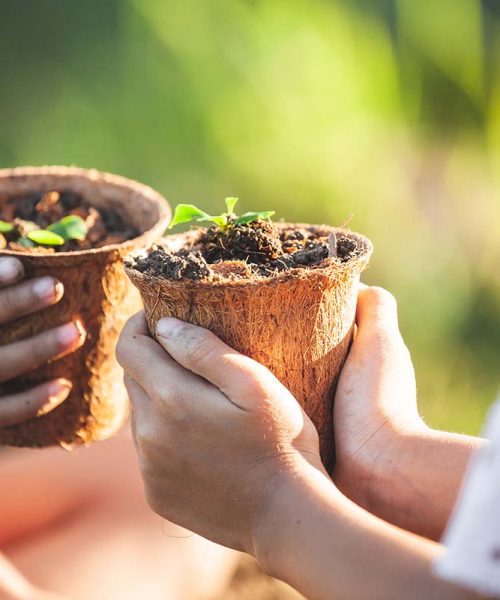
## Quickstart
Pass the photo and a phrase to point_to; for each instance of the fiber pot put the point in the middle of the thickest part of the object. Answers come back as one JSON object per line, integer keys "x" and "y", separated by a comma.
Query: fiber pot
{"x": 298, "y": 323}
{"x": 96, "y": 292}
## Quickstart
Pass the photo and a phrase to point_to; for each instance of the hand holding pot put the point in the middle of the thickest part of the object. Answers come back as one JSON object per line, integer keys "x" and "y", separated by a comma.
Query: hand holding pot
{"x": 216, "y": 432}
{"x": 388, "y": 460}
{"x": 19, "y": 298}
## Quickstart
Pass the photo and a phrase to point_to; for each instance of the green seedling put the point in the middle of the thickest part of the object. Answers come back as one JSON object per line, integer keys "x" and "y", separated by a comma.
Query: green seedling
{"x": 44, "y": 237}
{"x": 26, "y": 242}
{"x": 71, "y": 227}
{"x": 6, "y": 227}
{"x": 186, "y": 213}
{"x": 68, "y": 228}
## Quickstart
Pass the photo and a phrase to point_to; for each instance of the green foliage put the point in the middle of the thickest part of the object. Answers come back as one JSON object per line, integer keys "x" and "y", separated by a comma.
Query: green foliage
{"x": 44, "y": 237}
{"x": 6, "y": 227}
{"x": 231, "y": 202}
{"x": 185, "y": 213}
{"x": 26, "y": 242}
{"x": 71, "y": 227}
{"x": 248, "y": 217}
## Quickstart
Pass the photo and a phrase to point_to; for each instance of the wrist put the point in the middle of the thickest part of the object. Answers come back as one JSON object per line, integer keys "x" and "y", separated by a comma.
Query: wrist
{"x": 377, "y": 477}
{"x": 278, "y": 535}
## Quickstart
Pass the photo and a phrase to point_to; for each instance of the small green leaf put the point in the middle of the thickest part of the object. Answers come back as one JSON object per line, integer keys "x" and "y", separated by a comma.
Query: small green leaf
{"x": 187, "y": 212}
{"x": 6, "y": 227}
{"x": 45, "y": 238}
{"x": 24, "y": 241}
{"x": 71, "y": 227}
{"x": 220, "y": 220}
{"x": 249, "y": 217}
{"x": 231, "y": 203}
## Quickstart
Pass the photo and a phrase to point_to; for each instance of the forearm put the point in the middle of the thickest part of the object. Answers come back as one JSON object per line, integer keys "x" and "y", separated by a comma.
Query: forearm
{"x": 325, "y": 546}
{"x": 417, "y": 485}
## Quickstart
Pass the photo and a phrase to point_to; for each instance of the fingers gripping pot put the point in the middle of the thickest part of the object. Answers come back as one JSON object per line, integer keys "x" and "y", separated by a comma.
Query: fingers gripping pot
{"x": 96, "y": 292}
{"x": 299, "y": 323}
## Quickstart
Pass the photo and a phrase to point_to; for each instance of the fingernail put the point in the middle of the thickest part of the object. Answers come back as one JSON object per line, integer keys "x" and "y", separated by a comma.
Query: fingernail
{"x": 10, "y": 269}
{"x": 68, "y": 334}
{"x": 48, "y": 289}
{"x": 169, "y": 327}
{"x": 59, "y": 390}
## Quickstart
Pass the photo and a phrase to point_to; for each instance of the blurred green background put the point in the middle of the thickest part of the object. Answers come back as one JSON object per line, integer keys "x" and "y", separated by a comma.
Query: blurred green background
{"x": 386, "y": 110}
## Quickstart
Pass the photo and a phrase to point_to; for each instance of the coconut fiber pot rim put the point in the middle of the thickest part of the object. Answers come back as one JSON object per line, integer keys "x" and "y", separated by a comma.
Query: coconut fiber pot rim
{"x": 329, "y": 267}
{"x": 26, "y": 180}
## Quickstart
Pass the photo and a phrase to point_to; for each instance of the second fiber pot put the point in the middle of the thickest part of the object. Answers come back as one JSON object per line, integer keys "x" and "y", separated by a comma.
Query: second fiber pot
{"x": 297, "y": 323}
{"x": 96, "y": 292}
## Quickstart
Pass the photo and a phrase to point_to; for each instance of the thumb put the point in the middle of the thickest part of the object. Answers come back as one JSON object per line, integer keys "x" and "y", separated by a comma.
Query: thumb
{"x": 197, "y": 349}
{"x": 377, "y": 312}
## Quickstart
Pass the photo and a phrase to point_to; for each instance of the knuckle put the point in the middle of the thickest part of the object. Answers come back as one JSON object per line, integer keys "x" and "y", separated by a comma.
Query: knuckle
{"x": 147, "y": 438}
{"x": 165, "y": 396}
{"x": 121, "y": 350}
{"x": 142, "y": 434}
{"x": 254, "y": 378}
{"x": 13, "y": 269}
{"x": 10, "y": 300}
{"x": 43, "y": 347}
{"x": 250, "y": 386}
{"x": 198, "y": 345}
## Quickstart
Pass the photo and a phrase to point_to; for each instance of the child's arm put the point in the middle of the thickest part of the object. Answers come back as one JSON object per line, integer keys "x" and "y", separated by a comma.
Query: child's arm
{"x": 227, "y": 452}
{"x": 388, "y": 460}
{"x": 17, "y": 299}
{"x": 325, "y": 546}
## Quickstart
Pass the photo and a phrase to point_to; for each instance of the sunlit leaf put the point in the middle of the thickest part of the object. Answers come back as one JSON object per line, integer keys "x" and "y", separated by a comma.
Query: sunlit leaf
{"x": 45, "y": 237}
{"x": 220, "y": 220}
{"x": 231, "y": 203}
{"x": 184, "y": 213}
{"x": 249, "y": 217}
{"x": 6, "y": 227}
{"x": 71, "y": 227}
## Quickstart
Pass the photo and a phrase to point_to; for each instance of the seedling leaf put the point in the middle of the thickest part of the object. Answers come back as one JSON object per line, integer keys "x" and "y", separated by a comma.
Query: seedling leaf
{"x": 231, "y": 203}
{"x": 188, "y": 212}
{"x": 45, "y": 237}
{"x": 6, "y": 227}
{"x": 249, "y": 217}
{"x": 71, "y": 227}
{"x": 220, "y": 220}
{"x": 24, "y": 241}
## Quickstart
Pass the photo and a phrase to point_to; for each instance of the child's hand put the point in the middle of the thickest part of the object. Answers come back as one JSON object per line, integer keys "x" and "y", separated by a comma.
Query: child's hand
{"x": 216, "y": 432}
{"x": 376, "y": 402}
{"x": 388, "y": 460}
{"x": 17, "y": 299}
